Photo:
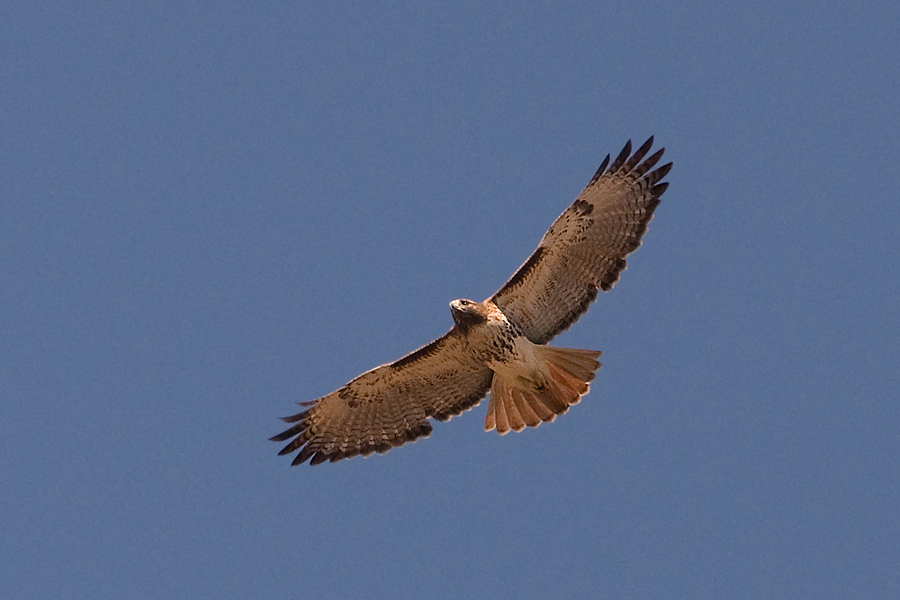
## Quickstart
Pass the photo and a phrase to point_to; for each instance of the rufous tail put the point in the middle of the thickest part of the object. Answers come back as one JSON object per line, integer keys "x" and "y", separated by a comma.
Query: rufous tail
{"x": 515, "y": 403}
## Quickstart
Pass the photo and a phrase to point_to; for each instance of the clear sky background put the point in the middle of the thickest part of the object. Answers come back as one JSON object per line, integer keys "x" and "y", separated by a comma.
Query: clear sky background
{"x": 213, "y": 210}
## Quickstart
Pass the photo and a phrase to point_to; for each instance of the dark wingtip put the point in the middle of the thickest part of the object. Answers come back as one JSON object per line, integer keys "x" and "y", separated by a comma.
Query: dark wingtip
{"x": 620, "y": 159}
{"x": 290, "y": 432}
{"x": 318, "y": 458}
{"x": 286, "y": 450}
{"x": 600, "y": 170}
{"x": 294, "y": 418}
{"x": 663, "y": 171}
{"x": 302, "y": 456}
{"x": 638, "y": 155}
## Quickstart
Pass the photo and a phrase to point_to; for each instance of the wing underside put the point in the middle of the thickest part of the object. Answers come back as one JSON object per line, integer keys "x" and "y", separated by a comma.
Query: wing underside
{"x": 585, "y": 248}
{"x": 389, "y": 405}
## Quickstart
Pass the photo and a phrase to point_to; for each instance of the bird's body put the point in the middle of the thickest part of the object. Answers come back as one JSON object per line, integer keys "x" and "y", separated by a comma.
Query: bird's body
{"x": 532, "y": 383}
{"x": 488, "y": 334}
{"x": 498, "y": 345}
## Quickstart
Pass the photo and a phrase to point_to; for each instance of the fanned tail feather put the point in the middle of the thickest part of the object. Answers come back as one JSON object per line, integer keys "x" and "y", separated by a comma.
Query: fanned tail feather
{"x": 513, "y": 404}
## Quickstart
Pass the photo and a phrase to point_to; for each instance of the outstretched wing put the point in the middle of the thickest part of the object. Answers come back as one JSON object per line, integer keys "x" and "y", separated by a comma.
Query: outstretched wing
{"x": 585, "y": 249}
{"x": 389, "y": 405}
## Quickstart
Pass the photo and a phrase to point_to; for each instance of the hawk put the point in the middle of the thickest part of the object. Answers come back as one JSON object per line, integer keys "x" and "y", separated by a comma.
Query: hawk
{"x": 498, "y": 345}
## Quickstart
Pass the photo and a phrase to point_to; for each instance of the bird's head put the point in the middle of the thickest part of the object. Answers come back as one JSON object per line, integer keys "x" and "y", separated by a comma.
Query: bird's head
{"x": 467, "y": 313}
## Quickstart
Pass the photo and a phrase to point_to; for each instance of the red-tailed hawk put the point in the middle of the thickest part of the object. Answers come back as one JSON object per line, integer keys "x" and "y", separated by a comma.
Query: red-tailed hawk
{"x": 498, "y": 345}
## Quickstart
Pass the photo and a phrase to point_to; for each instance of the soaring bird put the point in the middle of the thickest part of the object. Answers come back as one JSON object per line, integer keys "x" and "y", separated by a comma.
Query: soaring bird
{"x": 498, "y": 345}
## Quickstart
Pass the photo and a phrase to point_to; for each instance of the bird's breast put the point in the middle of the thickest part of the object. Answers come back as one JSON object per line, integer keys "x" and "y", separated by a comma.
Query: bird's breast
{"x": 519, "y": 363}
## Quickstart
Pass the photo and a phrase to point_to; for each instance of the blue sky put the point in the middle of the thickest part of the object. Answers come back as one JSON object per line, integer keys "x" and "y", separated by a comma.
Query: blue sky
{"x": 213, "y": 210}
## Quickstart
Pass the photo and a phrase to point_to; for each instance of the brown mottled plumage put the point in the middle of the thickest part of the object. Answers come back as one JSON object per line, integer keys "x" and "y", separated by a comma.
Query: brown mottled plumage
{"x": 498, "y": 345}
